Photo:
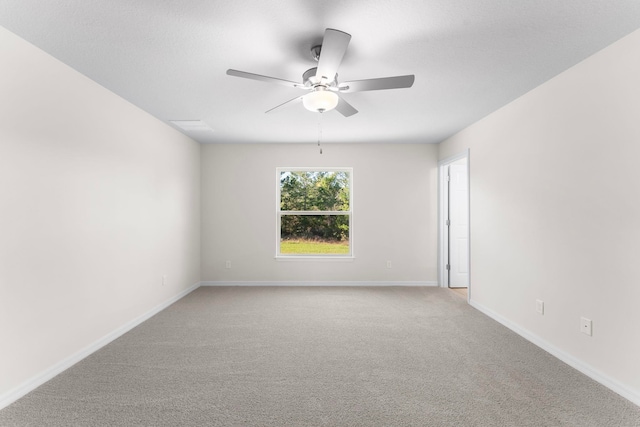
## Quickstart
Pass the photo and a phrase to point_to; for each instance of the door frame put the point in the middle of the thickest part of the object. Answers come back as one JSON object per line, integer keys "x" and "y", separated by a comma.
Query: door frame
{"x": 443, "y": 206}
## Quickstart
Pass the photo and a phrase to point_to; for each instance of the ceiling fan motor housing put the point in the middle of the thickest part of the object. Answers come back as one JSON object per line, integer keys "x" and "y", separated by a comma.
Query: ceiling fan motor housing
{"x": 310, "y": 79}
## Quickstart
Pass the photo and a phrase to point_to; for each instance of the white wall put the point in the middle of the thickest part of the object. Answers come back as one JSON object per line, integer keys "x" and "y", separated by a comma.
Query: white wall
{"x": 394, "y": 203}
{"x": 97, "y": 201}
{"x": 555, "y": 212}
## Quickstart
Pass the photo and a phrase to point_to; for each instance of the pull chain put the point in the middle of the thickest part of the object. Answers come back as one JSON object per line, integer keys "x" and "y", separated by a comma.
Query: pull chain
{"x": 320, "y": 132}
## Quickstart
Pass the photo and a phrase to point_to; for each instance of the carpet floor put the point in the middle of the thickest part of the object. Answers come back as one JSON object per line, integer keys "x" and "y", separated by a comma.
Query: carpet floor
{"x": 321, "y": 356}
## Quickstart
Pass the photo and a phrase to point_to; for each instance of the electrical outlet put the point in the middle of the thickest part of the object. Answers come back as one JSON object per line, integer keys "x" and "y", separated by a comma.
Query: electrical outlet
{"x": 227, "y": 264}
{"x": 586, "y": 326}
{"x": 540, "y": 306}
{"x": 388, "y": 264}
{"x": 164, "y": 280}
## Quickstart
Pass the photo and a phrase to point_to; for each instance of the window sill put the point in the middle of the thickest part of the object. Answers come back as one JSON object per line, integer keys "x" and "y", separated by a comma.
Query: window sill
{"x": 314, "y": 258}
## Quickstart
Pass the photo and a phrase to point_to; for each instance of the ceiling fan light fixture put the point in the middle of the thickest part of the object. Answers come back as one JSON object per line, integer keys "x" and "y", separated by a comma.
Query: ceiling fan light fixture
{"x": 320, "y": 100}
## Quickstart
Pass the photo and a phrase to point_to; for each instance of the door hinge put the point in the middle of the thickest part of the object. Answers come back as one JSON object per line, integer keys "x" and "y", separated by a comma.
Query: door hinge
{"x": 448, "y": 267}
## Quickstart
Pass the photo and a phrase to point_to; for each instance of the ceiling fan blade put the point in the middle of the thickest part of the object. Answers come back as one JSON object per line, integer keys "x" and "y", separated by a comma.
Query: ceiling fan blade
{"x": 396, "y": 82}
{"x": 286, "y": 104}
{"x": 261, "y": 78}
{"x": 345, "y": 108}
{"x": 334, "y": 46}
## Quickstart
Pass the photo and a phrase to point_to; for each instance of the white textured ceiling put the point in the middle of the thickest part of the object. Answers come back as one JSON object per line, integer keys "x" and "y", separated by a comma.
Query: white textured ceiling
{"x": 470, "y": 57}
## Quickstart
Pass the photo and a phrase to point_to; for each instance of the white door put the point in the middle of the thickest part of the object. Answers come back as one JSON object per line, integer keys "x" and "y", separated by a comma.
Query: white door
{"x": 458, "y": 225}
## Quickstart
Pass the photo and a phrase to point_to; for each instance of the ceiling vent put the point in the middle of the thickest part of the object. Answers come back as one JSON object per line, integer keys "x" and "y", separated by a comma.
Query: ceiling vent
{"x": 192, "y": 125}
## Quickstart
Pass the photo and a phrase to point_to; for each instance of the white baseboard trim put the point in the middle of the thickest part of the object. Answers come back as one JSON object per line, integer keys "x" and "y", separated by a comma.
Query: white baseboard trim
{"x": 326, "y": 283}
{"x": 570, "y": 360}
{"x": 36, "y": 381}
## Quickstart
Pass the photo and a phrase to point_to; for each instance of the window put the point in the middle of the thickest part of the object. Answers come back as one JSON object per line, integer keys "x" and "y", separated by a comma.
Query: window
{"x": 314, "y": 212}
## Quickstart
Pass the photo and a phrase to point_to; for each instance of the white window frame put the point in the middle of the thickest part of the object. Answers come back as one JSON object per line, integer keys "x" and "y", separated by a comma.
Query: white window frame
{"x": 279, "y": 214}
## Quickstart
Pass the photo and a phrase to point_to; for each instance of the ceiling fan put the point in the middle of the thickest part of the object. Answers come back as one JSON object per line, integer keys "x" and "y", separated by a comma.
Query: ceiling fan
{"x": 322, "y": 81}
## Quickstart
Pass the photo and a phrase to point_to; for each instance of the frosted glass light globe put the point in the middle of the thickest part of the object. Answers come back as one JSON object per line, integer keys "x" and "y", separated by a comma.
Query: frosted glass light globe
{"x": 320, "y": 100}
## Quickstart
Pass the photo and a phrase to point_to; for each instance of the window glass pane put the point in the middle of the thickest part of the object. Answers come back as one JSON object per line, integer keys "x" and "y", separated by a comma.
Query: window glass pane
{"x": 314, "y": 234}
{"x": 314, "y": 191}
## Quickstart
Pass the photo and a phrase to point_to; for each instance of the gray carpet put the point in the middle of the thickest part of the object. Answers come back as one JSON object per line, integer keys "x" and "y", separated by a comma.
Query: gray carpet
{"x": 301, "y": 356}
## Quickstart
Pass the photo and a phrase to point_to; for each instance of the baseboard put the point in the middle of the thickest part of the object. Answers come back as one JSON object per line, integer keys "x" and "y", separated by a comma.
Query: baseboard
{"x": 325, "y": 283}
{"x": 570, "y": 360}
{"x": 31, "y": 384}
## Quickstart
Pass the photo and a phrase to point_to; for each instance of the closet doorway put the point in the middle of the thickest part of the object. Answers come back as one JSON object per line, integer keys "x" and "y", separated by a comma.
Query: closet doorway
{"x": 454, "y": 221}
